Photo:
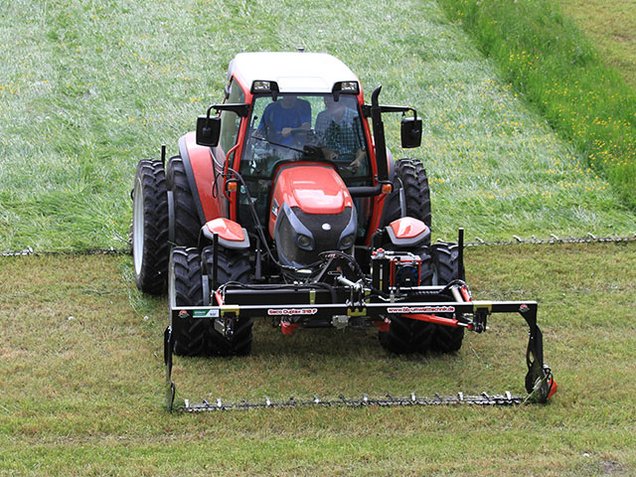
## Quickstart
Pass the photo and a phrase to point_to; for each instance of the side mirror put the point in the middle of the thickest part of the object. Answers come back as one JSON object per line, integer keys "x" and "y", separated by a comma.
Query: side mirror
{"x": 411, "y": 132}
{"x": 208, "y": 130}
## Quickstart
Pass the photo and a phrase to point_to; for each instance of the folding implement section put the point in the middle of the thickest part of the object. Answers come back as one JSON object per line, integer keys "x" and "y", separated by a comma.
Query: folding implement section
{"x": 312, "y": 305}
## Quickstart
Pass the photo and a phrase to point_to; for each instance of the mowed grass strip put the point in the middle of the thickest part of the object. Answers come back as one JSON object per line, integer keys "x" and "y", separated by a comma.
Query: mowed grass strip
{"x": 100, "y": 86}
{"x": 612, "y": 30}
{"x": 559, "y": 71}
{"x": 83, "y": 380}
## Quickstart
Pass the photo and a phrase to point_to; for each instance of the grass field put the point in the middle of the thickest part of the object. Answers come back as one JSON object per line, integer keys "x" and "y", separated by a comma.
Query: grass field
{"x": 83, "y": 381}
{"x": 559, "y": 71}
{"x": 612, "y": 30}
{"x": 100, "y": 86}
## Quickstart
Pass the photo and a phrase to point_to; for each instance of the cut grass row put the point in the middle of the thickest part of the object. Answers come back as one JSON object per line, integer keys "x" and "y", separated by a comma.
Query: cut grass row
{"x": 100, "y": 86}
{"x": 83, "y": 381}
{"x": 559, "y": 71}
{"x": 612, "y": 29}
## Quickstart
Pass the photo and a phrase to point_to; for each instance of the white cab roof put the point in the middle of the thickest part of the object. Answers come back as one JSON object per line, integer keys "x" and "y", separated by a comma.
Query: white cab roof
{"x": 294, "y": 72}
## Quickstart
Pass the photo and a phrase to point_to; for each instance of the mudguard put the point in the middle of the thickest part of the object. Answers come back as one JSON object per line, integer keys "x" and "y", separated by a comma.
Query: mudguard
{"x": 407, "y": 232}
{"x": 229, "y": 233}
{"x": 200, "y": 168}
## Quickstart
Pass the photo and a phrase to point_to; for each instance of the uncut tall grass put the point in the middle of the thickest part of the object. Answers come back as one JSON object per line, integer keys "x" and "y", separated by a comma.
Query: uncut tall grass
{"x": 555, "y": 67}
{"x": 100, "y": 85}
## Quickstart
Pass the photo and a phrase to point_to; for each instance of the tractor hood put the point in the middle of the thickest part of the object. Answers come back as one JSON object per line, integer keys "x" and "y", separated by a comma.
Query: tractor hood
{"x": 315, "y": 189}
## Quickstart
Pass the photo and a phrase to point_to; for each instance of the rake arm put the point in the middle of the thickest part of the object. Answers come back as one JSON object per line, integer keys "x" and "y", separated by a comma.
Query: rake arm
{"x": 540, "y": 383}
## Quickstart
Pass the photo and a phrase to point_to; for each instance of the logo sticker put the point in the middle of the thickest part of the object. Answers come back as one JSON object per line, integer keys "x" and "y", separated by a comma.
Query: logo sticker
{"x": 406, "y": 310}
{"x": 213, "y": 313}
{"x": 292, "y": 311}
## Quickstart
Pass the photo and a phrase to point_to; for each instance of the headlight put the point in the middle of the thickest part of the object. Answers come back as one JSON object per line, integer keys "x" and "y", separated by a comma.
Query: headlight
{"x": 347, "y": 242}
{"x": 304, "y": 242}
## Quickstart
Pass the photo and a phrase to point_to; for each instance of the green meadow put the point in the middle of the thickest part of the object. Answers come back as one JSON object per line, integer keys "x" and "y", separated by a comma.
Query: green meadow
{"x": 564, "y": 76}
{"x": 89, "y": 88}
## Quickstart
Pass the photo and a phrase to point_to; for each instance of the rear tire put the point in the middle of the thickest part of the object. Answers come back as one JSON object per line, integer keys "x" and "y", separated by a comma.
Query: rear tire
{"x": 411, "y": 180}
{"x": 406, "y": 336}
{"x": 149, "y": 234}
{"x": 186, "y": 224}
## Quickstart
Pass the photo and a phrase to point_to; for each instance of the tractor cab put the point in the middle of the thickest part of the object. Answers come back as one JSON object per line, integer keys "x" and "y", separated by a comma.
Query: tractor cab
{"x": 286, "y": 110}
{"x": 295, "y": 124}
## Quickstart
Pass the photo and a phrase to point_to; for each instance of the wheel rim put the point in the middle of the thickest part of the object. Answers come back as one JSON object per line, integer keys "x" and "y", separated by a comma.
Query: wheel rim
{"x": 138, "y": 227}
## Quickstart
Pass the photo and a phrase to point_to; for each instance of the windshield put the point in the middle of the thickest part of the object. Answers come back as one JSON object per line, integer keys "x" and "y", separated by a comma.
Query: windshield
{"x": 310, "y": 127}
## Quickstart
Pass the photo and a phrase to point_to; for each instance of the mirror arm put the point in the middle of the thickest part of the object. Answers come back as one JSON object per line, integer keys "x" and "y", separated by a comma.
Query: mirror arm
{"x": 241, "y": 109}
{"x": 366, "y": 110}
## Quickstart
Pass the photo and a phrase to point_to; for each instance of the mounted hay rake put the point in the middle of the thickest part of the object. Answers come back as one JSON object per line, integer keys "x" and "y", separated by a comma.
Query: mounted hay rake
{"x": 287, "y": 206}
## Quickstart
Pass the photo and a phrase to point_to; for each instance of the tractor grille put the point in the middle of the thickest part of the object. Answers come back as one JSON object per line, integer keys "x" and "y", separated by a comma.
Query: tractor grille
{"x": 288, "y": 249}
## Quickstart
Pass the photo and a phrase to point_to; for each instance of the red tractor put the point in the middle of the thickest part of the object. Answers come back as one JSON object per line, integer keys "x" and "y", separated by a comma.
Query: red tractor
{"x": 286, "y": 204}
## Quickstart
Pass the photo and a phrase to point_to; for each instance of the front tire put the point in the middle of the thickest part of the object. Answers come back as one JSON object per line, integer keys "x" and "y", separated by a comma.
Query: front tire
{"x": 232, "y": 266}
{"x": 185, "y": 288}
{"x": 189, "y": 280}
{"x": 407, "y": 336}
{"x": 150, "y": 247}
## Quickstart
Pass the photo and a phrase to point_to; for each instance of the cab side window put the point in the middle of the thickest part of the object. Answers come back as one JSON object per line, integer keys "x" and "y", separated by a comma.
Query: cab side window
{"x": 231, "y": 121}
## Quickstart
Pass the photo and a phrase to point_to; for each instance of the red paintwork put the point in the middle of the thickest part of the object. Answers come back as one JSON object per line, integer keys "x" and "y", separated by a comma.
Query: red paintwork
{"x": 218, "y": 296}
{"x": 226, "y": 229}
{"x": 438, "y": 320}
{"x": 408, "y": 227}
{"x": 201, "y": 162}
{"x": 465, "y": 293}
{"x": 314, "y": 188}
{"x": 238, "y": 149}
{"x": 377, "y": 202}
{"x": 383, "y": 326}
{"x": 288, "y": 329}
{"x": 553, "y": 386}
